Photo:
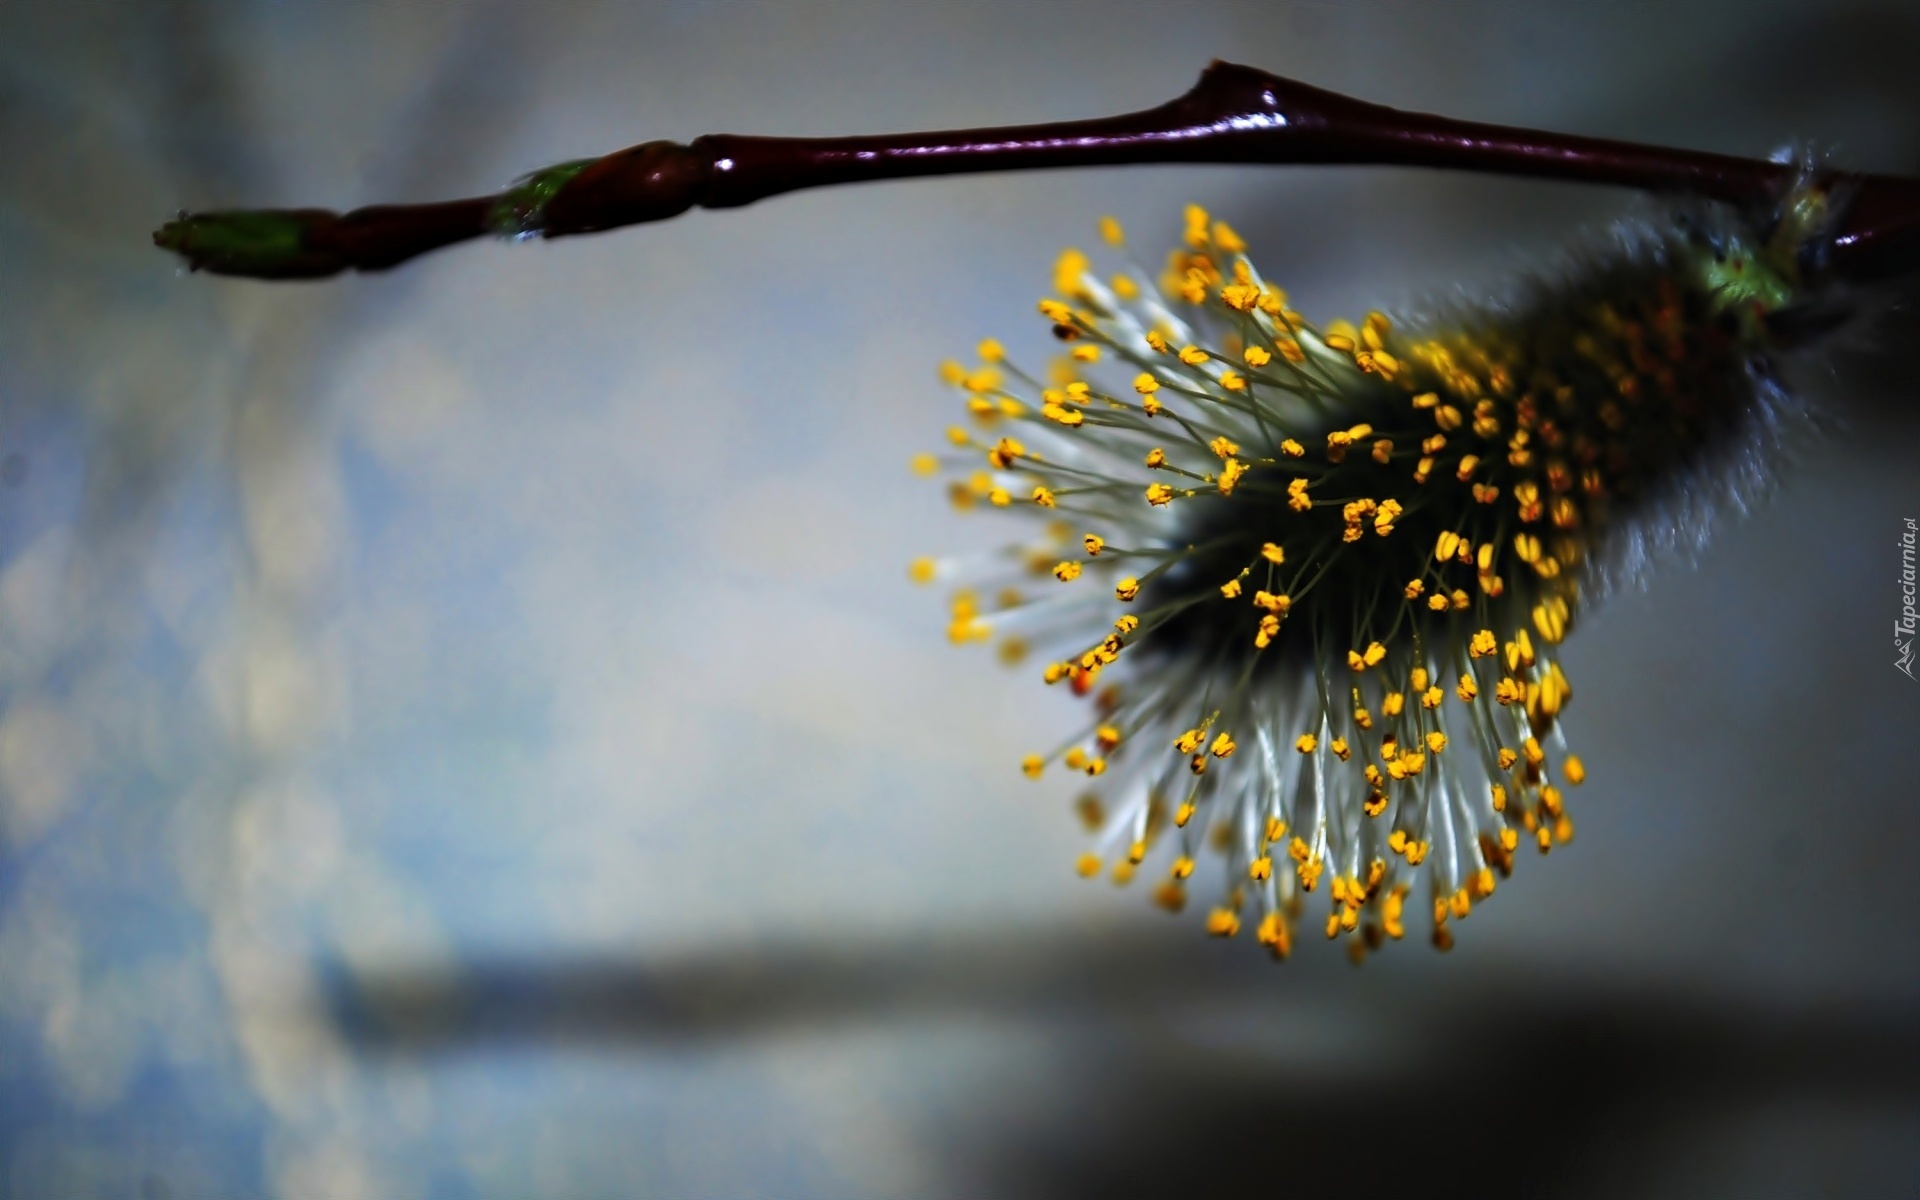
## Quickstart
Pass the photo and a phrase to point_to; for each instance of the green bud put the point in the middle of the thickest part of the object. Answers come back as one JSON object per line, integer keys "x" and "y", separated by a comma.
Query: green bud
{"x": 260, "y": 243}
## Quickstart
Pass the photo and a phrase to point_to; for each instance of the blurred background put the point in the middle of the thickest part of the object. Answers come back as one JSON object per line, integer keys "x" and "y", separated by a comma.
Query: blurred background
{"x": 468, "y": 732}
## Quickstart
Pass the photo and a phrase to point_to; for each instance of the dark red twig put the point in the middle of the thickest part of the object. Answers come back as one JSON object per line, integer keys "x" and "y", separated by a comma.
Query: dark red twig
{"x": 1234, "y": 114}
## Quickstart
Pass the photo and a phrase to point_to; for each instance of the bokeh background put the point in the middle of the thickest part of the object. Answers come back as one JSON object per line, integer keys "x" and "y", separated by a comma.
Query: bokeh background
{"x": 468, "y": 732}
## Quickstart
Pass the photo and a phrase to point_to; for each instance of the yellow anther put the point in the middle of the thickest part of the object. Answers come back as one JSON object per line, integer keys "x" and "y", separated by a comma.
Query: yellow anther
{"x": 1499, "y": 799}
{"x": 1150, "y": 406}
{"x": 1509, "y": 840}
{"x": 1032, "y": 765}
{"x": 1375, "y": 803}
{"x": 1043, "y": 496}
{"x": 1230, "y": 476}
{"x": 1230, "y": 588}
{"x": 1337, "y": 444}
{"x": 1094, "y": 544}
{"x": 924, "y": 464}
{"x": 1124, "y": 287}
{"x": 1233, "y": 381}
{"x": 1436, "y": 741}
{"x": 1309, "y": 873}
{"x": 1223, "y": 746}
{"x": 1226, "y": 239}
{"x": 1107, "y": 736}
{"x": 1159, "y": 494}
{"x": 1193, "y": 356}
{"x": 1156, "y": 458}
{"x": 1447, "y": 545}
{"x": 1393, "y": 703}
{"x": 982, "y": 379}
{"x": 1519, "y": 651}
{"x": 1363, "y": 718}
{"x": 1292, "y": 449}
{"x": 1375, "y": 652}
{"x": 1397, "y": 841}
{"x": 952, "y": 373}
{"x": 1055, "y": 672}
{"x": 1196, "y": 218}
{"x": 1460, "y": 904}
{"x": 1269, "y": 629}
{"x": 1126, "y": 589}
{"x": 1067, "y": 572}
{"x": 1189, "y": 741}
{"x": 1241, "y": 297}
{"x": 1340, "y": 749}
{"x": 1507, "y": 758}
{"x": 1126, "y": 624}
{"x": 1171, "y": 896}
{"x": 1260, "y": 869}
{"x": 1068, "y": 271}
{"x": 1467, "y": 464}
{"x": 1554, "y": 692}
{"x": 1574, "y": 770}
{"x": 1223, "y": 922}
{"x": 1070, "y": 417}
{"x": 1110, "y": 232}
{"x": 1145, "y": 384}
{"x": 1482, "y": 644}
{"x": 1339, "y": 342}
{"x": 991, "y": 351}
{"x": 1223, "y": 448}
{"x": 1000, "y": 497}
{"x": 958, "y": 436}
{"x": 1085, "y": 352}
{"x": 1430, "y": 699}
{"x": 1157, "y": 340}
{"x": 1459, "y": 601}
{"x": 1306, "y": 744}
{"x": 1075, "y": 759}
{"x": 1550, "y": 617}
{"x": 1273, "y": 933}
{"x": 1535, "y": 754}
{"x": 1276, "y": 604}
{"x": 1414, "y": 588}
{"x": 1447, "y": 417}
{"x": 1419, "y": 679}
{"x": 1257, "y": 356}
{"x": 1182, "y": 867}
{"x": 1136, "y": 852}
{"x": 1088, "y": 865}
{"x": 1467, "y": 689}
{"x": 1355, "y": 661}
{"x": 922, "y": 570}
{"x": 1122, "y": 873}
{"x": 1273, "y": 553}
{"x": 1388, "y": 513}
{"x": 1183, "y": 814}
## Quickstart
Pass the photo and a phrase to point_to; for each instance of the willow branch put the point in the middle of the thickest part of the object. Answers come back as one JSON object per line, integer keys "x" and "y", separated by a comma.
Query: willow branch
{"x": 1234, "y": 114}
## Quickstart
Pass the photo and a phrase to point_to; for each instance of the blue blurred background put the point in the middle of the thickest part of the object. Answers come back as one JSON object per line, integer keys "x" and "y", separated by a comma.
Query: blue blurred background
{"x": 468, "y": 732}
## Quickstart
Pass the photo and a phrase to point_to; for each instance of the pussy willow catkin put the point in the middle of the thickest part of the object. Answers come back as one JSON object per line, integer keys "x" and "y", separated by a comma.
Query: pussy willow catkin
{"x": 1312, "y": 580}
